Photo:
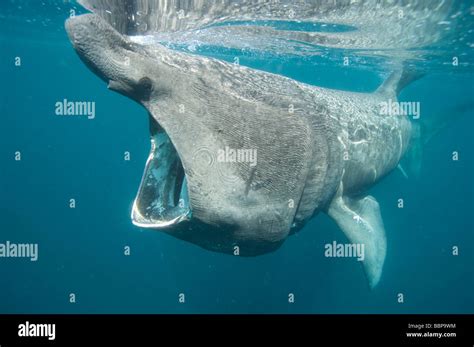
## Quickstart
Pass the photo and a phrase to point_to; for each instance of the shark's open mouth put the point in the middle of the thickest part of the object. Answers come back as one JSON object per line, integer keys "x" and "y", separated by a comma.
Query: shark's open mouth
{"x": 162, "y": 198}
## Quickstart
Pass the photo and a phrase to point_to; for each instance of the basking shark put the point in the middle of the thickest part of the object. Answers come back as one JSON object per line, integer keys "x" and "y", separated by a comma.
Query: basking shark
{"x": 241, "y": 158}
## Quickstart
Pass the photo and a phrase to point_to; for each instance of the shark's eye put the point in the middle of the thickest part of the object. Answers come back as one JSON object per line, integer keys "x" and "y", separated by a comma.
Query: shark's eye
{"x": 145, "y": 83}
{"x": 144, "y": 88}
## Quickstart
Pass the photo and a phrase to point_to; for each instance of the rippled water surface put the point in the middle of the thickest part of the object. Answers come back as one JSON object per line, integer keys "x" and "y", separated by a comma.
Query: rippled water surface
{"x": 343, "y": 46}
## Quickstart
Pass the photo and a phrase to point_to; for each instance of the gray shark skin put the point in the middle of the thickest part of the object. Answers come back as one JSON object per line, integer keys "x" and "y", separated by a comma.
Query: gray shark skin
{"x": 316, "y": 149}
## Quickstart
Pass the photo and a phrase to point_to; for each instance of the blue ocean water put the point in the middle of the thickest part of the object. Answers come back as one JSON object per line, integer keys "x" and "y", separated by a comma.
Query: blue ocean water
{"x": 81, "y": 250}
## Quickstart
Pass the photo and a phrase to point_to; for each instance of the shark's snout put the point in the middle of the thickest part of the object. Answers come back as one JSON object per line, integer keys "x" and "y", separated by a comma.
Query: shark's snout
{"x": 83, "y": 29}
{"x": 90, "y": 26}
{"x": 104, "y": 50}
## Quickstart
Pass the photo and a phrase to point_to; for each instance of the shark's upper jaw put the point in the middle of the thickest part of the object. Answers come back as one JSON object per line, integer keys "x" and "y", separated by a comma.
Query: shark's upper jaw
{"x": 162, "y": 200}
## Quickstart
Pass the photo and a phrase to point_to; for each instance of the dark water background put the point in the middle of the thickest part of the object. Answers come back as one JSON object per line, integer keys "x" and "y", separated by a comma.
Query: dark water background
{"x": 81, "y": 250}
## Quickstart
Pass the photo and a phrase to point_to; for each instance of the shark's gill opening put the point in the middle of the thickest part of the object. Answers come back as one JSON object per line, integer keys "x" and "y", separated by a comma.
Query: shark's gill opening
{"x": 162, "y": 198}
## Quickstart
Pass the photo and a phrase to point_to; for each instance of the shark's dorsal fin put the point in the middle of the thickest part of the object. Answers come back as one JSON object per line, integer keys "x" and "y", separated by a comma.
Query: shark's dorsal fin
{"x": 398, "y": 80}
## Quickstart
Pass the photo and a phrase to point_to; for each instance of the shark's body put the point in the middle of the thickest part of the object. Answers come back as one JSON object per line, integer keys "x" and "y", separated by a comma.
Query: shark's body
{"x": 317, "y": 150}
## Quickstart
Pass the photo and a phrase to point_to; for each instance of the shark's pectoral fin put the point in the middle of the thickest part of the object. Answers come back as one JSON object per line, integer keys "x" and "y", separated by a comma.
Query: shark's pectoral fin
{"x": 361, "y": 222}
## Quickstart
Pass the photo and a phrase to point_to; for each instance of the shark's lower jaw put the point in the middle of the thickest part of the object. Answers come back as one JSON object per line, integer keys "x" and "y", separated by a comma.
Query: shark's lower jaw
{"x": 162, "y": 200}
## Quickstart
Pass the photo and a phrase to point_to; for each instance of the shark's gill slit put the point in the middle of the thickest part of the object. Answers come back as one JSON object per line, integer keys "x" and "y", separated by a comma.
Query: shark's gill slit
{"x": 162, "y": 198}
